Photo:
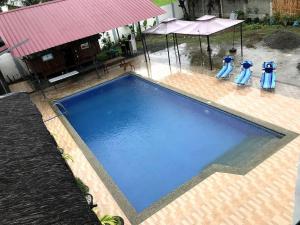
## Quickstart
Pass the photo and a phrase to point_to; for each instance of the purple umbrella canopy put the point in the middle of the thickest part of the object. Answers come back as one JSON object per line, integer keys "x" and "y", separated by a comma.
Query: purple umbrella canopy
{"x": 167, "y": 26}
{"x": 204, "y": 26}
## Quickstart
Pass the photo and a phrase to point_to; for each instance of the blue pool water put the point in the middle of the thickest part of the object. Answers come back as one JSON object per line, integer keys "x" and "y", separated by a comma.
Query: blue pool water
{"x": 152, "y": 140}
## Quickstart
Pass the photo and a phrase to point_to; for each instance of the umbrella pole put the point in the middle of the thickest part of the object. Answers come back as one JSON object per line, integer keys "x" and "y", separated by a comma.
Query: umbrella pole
{"x": 241, "y": 30}
{"x": 233, "y": 37}
{"x": 209, "y": 52}
{"x": 167, "y": 42}
{"x": 177, "y": 48}
{"x": 144, "y": 48}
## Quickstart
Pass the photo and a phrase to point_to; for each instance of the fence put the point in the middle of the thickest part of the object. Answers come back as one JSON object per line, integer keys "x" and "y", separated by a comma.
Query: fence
{"x": 286, "y": 7}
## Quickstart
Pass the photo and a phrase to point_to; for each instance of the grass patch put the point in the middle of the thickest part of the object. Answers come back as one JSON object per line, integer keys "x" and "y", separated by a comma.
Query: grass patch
{"x": 163, "y": 2}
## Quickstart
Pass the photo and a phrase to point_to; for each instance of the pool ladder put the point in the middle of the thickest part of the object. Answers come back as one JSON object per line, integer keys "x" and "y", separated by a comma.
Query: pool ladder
{"x": 60, "y": 107}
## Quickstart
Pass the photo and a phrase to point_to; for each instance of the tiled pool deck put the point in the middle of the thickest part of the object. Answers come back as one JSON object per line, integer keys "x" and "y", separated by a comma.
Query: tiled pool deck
{"x": 265, "y": 195}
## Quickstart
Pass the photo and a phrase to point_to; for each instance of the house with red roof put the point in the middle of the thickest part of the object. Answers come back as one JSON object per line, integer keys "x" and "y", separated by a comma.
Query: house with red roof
{"x": 61, "y": 35}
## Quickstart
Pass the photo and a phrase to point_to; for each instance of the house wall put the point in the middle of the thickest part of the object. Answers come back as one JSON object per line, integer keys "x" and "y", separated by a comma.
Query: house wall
{"x": 64, "y": 57}
{"x": 12, "y": 68}
{"x": 264, "y": 6}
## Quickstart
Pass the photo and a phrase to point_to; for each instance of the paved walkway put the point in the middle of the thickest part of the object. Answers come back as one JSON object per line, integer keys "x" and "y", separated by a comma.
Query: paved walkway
{"x": 296, "y": 217}
{"x": 263, "y": 196}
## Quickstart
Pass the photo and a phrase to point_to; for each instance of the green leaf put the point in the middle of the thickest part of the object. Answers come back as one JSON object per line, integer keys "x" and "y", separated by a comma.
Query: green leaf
{"x": 108, "y": 220}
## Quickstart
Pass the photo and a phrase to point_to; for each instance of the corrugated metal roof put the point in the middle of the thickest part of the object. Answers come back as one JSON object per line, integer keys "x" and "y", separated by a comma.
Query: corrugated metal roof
{"x": 57, "y": 22}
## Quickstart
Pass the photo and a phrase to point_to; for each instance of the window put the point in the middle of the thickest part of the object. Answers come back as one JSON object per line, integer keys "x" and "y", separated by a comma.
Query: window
{"x": 47, "y": 57}
{"x": 84, "y": 45}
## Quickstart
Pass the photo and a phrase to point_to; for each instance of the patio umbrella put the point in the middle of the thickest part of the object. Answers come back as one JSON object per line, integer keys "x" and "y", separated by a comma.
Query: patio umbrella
{"x": 166, "y": 27}
{"x": 206, "y": 26}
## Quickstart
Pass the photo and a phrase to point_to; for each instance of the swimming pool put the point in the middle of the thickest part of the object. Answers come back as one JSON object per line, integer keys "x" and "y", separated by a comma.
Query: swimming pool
{"x": 153, "y": 143}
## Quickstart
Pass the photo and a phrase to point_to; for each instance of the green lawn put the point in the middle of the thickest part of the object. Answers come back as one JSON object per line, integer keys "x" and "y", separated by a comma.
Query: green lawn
{"x": 163, "y": 2}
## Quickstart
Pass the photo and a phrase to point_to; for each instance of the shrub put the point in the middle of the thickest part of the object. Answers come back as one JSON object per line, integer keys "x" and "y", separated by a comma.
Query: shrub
{"x": 276, "y": 18}
{"x": 256, "y": 20}
{"x": 82, "y": 186}
{"x": 248, "y": 11}
{"x": 248, "y": 20}
{"x": 106, "y": 41}
{"x": 284, "y": 20}
{"x": 145, "y": 24}
{"x": 266, "y": 19}
{"x": 240, "y": 14}
{"x": 254, "y": 26}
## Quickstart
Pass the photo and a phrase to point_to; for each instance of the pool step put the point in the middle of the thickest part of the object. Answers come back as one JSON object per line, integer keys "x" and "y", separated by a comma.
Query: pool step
{"x": 249, "y": 153}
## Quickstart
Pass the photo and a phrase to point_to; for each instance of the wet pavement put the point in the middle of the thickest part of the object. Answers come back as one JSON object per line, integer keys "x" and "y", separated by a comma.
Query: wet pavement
{"x": 265, "y": 195}
{"x": 191, "y": 59}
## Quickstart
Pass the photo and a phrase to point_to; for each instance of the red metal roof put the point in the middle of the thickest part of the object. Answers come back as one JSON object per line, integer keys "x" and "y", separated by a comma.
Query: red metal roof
{"x": 57, "y": 22}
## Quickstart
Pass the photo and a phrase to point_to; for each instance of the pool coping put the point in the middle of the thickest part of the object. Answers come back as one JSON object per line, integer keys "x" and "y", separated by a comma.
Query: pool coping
{"x": 136, "y": 218}
{"x": 296, "y": 213}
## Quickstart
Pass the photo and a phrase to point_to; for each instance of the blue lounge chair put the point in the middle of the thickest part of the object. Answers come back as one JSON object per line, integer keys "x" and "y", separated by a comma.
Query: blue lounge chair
{"x": 268, "y": 78}
{"x": 227, "y": 68}
{"x": 244, "y": 77}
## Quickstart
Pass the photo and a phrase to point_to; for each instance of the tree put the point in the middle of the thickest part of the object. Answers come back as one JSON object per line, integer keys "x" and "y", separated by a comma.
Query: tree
{"x": 3, "y": 2}
{"x": 182, "y": 5}
{"x": 211, "y": 6}
{"x": 30, "y": 2}
{"x": 25, "y": 2}
{"x": 33, "y": 2}
{"x": 192, "y": 6}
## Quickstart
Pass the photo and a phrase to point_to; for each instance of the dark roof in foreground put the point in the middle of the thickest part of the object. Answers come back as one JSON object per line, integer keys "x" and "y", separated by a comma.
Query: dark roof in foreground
{"x": 36, "y": 186}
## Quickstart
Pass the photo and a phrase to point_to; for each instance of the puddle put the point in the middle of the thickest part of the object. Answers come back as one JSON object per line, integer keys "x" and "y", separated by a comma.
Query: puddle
{"x": 190, "y": 57}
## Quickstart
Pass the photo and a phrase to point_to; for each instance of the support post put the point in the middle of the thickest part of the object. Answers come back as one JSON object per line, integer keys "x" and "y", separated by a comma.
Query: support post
{"x": 167, "y": 42}
{"x": 3, "y": 84}
{"x": 200, "y": 43}
{"x": 140, "y": 29}
{"x": 241, "y": 30}
{"x": 39, "y": 85}
{"x": 144, "y": 48}
{"x": 174, "y": 44}
{"x": 118, "y": 34}
{"x": 96, "y": 67}
{"x": 209, "y": 52}
{"x": 201, "y": 51}
{"x": 176, "y": 40}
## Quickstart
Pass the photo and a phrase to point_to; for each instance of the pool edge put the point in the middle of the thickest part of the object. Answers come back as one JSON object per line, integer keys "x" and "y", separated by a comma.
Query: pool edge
{"x": 137, "y": 218}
